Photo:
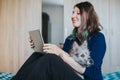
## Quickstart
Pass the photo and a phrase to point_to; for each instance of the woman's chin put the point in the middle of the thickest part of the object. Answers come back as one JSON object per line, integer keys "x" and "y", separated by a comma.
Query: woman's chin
{"x": 76, "y": 25}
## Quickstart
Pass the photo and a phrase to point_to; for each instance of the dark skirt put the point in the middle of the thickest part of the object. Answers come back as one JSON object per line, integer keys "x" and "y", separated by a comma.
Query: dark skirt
{"x": 40, "y": 66}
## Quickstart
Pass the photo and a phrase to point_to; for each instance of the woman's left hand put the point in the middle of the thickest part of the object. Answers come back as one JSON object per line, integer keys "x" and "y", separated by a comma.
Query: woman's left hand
{"x": 51, "y": 48}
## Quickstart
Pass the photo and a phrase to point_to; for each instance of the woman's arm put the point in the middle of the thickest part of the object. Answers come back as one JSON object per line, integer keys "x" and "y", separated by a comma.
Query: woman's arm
{"x": 53, "y": 49}
{"x": 97, "y": 46}
{"x": 69, "y": 60}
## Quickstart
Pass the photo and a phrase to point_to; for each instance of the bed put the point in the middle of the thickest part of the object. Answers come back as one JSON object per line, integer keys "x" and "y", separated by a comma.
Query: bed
{"x": 6, "y": 76}
{"x": 109, "y": 76}
{"x": 112, "y": 76}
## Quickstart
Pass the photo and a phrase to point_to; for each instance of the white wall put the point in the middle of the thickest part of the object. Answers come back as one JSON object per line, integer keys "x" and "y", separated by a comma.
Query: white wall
{"x": 108, "y": 13}
{"x": 55, "y": 13}
{"x": 68, "y": 7}
{"x": 114, "y": 30}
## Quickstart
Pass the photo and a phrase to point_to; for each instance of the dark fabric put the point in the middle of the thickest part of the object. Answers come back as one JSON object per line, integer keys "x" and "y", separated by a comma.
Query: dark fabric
{"x": 42, "y": 66}
{"x": 67, "y": 46}
{"x": 97, "y": 48}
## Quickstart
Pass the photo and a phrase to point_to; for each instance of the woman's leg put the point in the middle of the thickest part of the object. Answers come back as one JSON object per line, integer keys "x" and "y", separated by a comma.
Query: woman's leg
{"x": 33, "y": 58}
{"x": 26, "y": 67}
{"x": 59, "y": 70}
{"x": 52, "y": 67}
{"x": 47, "y": 67}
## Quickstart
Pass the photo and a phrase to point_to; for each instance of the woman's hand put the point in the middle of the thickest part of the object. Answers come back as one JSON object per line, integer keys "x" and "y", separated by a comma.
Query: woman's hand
{"x": 51, "y": 48}
{"x": 31, "y": 43}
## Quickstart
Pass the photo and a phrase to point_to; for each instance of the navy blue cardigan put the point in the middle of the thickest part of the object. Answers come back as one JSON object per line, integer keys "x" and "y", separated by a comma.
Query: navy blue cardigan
{"x": 97, "y": 48}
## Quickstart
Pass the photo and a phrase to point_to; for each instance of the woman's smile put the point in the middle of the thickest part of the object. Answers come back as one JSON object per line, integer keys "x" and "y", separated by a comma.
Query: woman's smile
{"x": 76, "y": 17}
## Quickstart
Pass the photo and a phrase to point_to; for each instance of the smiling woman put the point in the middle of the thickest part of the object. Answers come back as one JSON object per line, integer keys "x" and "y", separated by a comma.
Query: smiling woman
{"x": 42, "y": 66}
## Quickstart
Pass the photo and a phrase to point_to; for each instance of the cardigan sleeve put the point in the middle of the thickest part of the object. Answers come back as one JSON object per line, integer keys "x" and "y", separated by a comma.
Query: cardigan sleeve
{"x": 97, "y": 47}
{"x": 67, "y": 46}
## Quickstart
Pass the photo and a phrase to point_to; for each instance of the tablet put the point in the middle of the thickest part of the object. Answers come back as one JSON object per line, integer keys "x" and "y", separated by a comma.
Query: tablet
{"x": 37, "y": 38}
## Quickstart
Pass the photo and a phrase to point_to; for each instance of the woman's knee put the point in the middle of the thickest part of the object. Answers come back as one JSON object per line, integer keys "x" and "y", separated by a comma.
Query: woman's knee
{"x": 53, "y": 57}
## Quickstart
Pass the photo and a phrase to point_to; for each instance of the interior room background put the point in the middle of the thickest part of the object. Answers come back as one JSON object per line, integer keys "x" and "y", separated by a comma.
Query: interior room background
{"x": 17, "y": 17}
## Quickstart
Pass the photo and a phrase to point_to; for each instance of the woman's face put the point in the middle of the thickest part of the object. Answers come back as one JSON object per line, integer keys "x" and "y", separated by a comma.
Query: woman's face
{"x": 76, "y": 17}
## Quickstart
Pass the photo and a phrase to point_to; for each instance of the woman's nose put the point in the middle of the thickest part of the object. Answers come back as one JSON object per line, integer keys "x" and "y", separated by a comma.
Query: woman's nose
{"x": 73, "y": 16}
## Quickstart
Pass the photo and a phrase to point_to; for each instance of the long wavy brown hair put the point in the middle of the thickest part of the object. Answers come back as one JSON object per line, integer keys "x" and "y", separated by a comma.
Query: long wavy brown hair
{"x": 89, "y": 19}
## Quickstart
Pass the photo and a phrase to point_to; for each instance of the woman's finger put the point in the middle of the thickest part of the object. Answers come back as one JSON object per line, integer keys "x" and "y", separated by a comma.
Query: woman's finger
{"x": 48, "y": 51}
{"x": 32, "y": 44}
{"x": 47, "y": 45}
{"x": 46, "y": 48}
{"x": 31, "y": 41}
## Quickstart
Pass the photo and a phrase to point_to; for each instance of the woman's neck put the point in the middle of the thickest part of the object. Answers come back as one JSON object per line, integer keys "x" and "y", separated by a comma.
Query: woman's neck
{"x": 80, "y": 30}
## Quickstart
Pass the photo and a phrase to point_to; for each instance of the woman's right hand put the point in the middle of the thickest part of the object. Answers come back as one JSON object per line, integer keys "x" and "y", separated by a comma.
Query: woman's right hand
{"x": 31, "y": 43}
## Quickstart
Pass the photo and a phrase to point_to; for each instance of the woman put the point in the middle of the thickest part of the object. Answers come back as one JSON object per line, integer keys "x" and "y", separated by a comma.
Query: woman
{"x": 57, "y": 64}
